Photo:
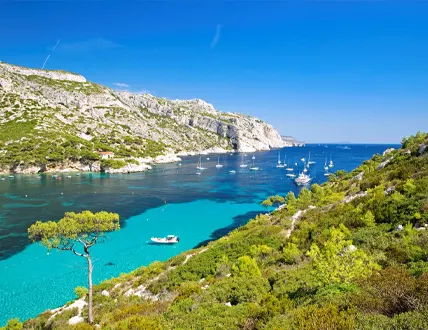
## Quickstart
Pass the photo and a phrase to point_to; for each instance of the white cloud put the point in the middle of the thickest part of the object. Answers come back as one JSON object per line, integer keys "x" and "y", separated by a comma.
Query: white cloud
{"x": 121, "y": 85}
{"x": 216, "y": 37}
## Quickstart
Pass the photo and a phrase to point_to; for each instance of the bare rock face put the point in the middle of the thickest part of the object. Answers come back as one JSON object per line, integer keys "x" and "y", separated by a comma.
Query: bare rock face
{"x": 66, "y": 107}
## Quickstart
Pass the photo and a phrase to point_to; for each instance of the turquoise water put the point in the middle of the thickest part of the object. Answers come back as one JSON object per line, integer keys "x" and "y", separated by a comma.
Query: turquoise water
{"x": 171, "y": 199}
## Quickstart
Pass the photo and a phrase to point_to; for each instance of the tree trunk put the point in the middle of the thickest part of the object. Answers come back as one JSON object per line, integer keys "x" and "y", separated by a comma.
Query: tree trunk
{"x": 90, "y": 316}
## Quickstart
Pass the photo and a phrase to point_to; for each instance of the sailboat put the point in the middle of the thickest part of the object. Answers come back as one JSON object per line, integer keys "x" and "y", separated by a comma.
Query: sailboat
{"x": 254, "y": 167}
{"x": 218, "y": 163}
{"x": 199, "y": 165}
{"x": 279, "y": 165}
{"x": 254, "y": 157}
{"x": 330, "y": 164}
{"x": 310, "y": 162}
{"x": 242, "y": 162}
{"x": 325, "y": 164}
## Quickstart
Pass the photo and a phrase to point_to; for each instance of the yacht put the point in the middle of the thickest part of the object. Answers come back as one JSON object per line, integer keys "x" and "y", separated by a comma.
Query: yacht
{"x": 199, "y": 165}
{"x": 232, "y": 171}
{"x": 279, "y": 165}
{"x": 310, "y": 162}
{"x": 291, "y": 175}
{"x": 242, "y": 163}
{"x": 218, "y": 163}
{"x": 302, "y": 179}
{"x": 254, "y": 167}
{"x": 170, "y": 239}
{"x": 325, "y": 164}
{"x": 330, "y": 164}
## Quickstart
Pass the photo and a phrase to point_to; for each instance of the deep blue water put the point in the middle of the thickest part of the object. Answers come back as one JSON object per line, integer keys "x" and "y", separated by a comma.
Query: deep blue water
{"x": 170, "y": 199}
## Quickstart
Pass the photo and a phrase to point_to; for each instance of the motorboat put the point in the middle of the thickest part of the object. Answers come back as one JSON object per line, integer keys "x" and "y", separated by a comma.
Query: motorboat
{"x": 170, "y": 239}
{"x": 302, "y": 179}
{"x": 232, "y": 171}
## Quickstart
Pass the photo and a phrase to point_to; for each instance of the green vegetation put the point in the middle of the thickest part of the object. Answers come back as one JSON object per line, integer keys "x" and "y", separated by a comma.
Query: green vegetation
{"x": 356, "y": 259}
{"x": 84, "y": 229}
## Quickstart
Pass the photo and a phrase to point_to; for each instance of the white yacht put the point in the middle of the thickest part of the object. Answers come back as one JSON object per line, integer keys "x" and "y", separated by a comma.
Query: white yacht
{"x": 291, "y": 175}
{"x": 302, "y": 179}
{"x": 243, "y": 165}
{"x": 218, "y": 163}
{"x": 325, "y": 164}
{"x": 199, "y": 165}
{"x": 170, "y": 239}
{"x": 279, "y": 165}
{"x": 330, "y": 164}
{"x": 310, "y": 162}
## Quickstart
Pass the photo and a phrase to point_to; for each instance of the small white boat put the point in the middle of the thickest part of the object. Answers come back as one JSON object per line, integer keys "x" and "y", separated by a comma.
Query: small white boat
{"x": 303, "y": 159}
{"x": 170, "y": 239}
{"x": 327, "y": 174}
{"x": 198, "y": 173}
{"x": 208, "y": 158}
{"x": 218, "y": 163}
{"x": 279, "y": 165}
{"x": 199, "y": 165}
{"x": 242, "y": 163}
{"x": 230, "y": 154}
{"x": 302, "y": 179}
{"x": 2, "y": 179}
{"x": 232, "y": 171}
{"x": 179, "y": 164}
{"x": 291, "y": 175}
{"x": 310, "y": 162}
{"x": 325, "y": 164}
{"x": 254, "y": 157}
{"x": 305, "y": 170}
{"x": 289, "y": 169}
{"x": 254, "y": 167}
{"x": 77, "y": 174}
{"x": 11, "y": 176}
{"x": 68, "y": 176}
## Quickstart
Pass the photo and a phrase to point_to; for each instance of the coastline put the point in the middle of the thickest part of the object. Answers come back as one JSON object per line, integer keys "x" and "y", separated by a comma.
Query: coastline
{"x": 144, "y": 164}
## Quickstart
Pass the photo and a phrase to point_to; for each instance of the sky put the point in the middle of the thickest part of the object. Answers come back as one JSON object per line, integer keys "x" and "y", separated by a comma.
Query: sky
{"x": 321, "y": 71}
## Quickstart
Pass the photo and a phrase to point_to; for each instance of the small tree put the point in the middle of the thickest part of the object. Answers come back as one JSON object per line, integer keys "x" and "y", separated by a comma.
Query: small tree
{"x": 267, "y": 203}
{"x": 83, "y": 229}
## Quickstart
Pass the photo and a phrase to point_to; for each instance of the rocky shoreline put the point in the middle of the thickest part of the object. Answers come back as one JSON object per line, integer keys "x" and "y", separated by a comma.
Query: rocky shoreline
{"x": 144, "y": 164}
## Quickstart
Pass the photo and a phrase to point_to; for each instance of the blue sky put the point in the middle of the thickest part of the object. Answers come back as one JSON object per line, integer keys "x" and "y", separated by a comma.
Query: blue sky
{"x": 322, "y": 71}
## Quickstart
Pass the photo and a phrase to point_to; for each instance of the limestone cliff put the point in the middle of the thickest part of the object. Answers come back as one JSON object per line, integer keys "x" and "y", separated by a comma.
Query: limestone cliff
{"x": 52, "y": 116}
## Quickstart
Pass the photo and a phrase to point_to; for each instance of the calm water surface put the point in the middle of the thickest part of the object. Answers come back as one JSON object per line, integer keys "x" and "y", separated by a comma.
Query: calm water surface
{"x": 170, "y": 199}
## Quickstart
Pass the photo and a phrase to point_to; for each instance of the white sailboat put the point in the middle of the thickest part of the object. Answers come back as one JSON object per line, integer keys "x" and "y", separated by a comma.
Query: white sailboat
{"x": 254, "y": 167}
{"x": 285, "y": 158}
{"x": 330, "y": 164}
{"x": 279, "y": 165}
{"x": 242, "y": 163}
{"x": 254, "y": 157}
{"x": 325, "y": 164}
{"x": 199, "y": 165}
{"x": 310, "y": 162}
{"x": 218, "y": 163}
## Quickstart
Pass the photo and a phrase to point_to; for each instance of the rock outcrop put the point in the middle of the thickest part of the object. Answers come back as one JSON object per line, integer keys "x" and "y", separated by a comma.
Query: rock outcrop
{"x": 67, "y": 106}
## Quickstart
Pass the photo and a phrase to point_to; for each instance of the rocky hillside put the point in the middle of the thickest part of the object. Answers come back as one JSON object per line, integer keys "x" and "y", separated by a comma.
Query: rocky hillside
{"x": 56, "y": 118}
{"x": 349, "y": 254}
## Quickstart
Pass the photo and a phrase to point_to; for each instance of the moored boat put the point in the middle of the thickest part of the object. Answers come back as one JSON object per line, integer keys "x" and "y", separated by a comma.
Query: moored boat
{"x": 170, "y": 239}
{"x": 302, "y": 179}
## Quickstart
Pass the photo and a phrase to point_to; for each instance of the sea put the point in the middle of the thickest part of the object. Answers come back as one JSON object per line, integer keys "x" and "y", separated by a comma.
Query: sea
{"x": 169, "y": 199}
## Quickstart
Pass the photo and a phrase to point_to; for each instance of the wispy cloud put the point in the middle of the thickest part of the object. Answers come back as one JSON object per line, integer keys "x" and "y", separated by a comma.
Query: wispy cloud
{"x": 88, "y": 45}
{"x": 121, "y": 85}
{"x": 217, "y": 36}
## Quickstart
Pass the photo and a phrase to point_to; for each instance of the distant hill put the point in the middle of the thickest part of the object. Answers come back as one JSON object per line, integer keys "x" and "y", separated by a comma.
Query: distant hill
{"x": 51, "y": 120}
{"x": 291, "y": 140}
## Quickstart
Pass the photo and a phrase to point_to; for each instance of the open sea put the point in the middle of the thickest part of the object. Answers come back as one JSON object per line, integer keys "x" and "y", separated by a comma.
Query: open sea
{"x": 170, "y": 199}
